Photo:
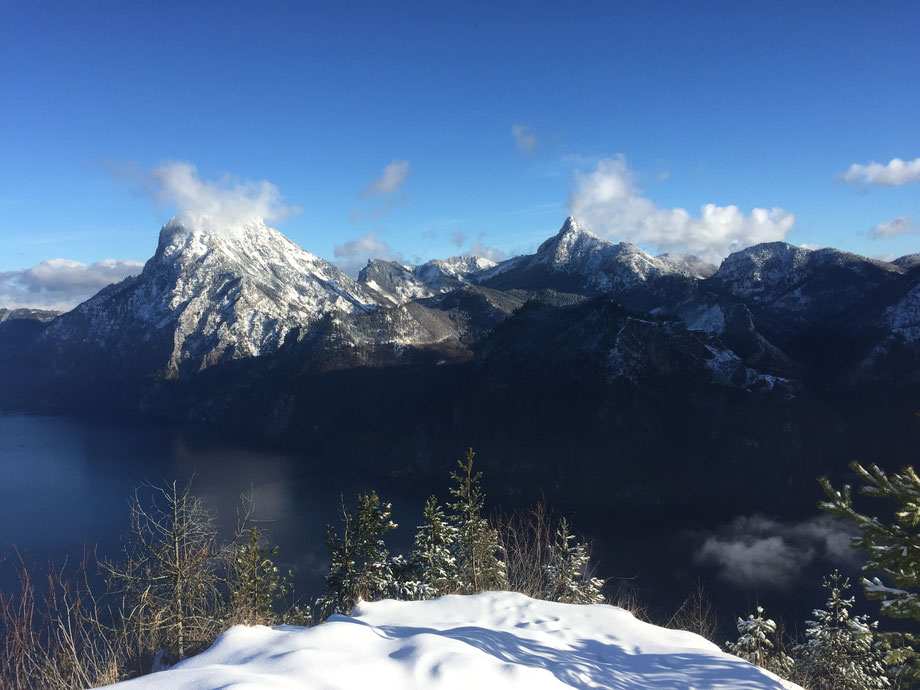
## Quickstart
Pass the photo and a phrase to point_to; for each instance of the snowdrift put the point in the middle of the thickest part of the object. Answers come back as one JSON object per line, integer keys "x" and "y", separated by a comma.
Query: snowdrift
{"x": 490, "y": 640}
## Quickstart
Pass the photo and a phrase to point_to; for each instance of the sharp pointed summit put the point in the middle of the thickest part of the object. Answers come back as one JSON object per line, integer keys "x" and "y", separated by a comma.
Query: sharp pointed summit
{"x": 576, "y": 260}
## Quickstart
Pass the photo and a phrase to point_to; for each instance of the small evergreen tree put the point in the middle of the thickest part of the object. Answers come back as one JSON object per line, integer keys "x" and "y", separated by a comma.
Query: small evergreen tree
{"x": 893, "y": 549}
{"x": 478, "y": 550}
{"x": 839, "y": 653}
{"x": 567, "y": 578}
{"x": 360, "y": 567}
{"x": 255, "y": 583}
{"x": 754, "y": 644}
{"x": 432, "y": 565}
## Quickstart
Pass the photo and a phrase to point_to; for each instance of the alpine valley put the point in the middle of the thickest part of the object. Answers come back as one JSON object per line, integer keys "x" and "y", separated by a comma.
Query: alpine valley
{"x": 589, "y": 372}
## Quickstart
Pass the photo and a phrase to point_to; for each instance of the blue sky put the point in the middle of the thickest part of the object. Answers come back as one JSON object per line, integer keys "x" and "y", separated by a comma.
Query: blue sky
{"x": 495, "y": 122}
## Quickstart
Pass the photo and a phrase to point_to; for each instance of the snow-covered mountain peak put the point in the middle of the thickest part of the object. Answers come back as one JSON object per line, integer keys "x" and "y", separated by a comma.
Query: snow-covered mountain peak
{"x": 576, "y": 260}
{"x": 392, "y": 283}
{"x": 814, "y": 283}
{"x": 572, "y": 241}
{"x": 211, "y": 294}
{"x": 459, "y": 267}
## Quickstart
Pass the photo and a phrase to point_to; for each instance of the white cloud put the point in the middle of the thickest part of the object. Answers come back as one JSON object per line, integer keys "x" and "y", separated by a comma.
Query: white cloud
{"x": 352, "y": 256}
{"x": 458, "y": 238}
{"x": 607, "y": 202}
{"x": 896, "y": 226}
{"x": 491, "y": 253}
{"x": 224, "y": 204}
{"x": 894, "y": 174}
{"x": 756, "y": 551}
{"x": 61, "y": 284}
{"x": 391, "y": 180}
{"x": 524, "y": 138}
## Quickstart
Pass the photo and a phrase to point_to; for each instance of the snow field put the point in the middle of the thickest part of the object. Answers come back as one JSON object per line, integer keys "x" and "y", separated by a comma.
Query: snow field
{"x": 490, "y": 640}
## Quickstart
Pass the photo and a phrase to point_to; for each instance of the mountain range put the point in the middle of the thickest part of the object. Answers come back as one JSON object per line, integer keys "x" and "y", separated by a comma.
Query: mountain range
{"x": 589, "y": 369}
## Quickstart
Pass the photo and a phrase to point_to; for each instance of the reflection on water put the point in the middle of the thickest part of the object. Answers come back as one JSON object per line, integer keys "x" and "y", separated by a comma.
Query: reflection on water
{"x": 66, "y": 481}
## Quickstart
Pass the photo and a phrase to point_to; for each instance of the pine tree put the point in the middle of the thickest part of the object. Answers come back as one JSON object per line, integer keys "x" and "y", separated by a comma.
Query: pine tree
{"x": 839, "y": 653}
{"x": 432, "y": 565}
{"x": 255, "y": 583}
{"x": 893, "y": 550}
{"x": 478, "y": 550}
{"x": 754, "y": 644}
{"x": 566, "y": 571}
{"x": 360, "y": 567}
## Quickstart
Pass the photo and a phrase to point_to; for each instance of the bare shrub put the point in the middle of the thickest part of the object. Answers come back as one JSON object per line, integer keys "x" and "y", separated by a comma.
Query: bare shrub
{"x": 168, "y": 581}
{"x": 527, "y": 539}
{"x": 544, "y": 560}
{"x": 627, "y": 598}
{"x": 697, "y": 615}
{"x": 55, "y": 634}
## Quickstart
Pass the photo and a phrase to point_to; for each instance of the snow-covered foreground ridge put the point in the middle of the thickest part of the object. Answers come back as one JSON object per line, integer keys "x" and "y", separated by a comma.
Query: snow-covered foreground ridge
{"x": 484, "y": 641}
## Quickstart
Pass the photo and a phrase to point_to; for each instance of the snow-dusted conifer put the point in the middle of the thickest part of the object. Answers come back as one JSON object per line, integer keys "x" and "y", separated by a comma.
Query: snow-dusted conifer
{"x": 893, "y": 556}
{"x": 254, "y": 581}
{"x": 432, "y": 565}
{"x": 360, "y": 567}
{"x": 755, "y": 644}
{"x": 839, "y": 653}
{"x": 567, "y": 571}
{"x": 478, "y": 550}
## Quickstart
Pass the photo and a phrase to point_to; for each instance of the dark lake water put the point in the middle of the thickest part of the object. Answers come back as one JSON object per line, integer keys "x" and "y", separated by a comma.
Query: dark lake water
{"x": 65, "y": 482}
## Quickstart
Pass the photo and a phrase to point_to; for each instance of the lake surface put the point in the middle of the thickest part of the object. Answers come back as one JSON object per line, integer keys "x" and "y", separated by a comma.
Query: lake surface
{"x": 65, "y": 482}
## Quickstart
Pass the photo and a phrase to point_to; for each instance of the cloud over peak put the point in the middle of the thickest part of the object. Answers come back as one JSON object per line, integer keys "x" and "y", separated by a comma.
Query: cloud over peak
{"x": 893, "y": 174}
{"x": 608, "y": 202}
{"x": 219, "y": 204}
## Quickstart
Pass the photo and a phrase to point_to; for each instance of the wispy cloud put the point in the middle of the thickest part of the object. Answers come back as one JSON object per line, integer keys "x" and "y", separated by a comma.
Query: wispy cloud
{"x": 391, "y": 180}
{"x": 608, "y": 202}
{"x": 893, "y": 174}
{"x": 61, "y": 284}
{"x": 894, "y": 227}
{"x": 757, "y": 551}
{"x": 352, "y": 255}
{"x": 524, "y": 138}
{"x": 385, "y": 193}
{"x": 458, "y": 238}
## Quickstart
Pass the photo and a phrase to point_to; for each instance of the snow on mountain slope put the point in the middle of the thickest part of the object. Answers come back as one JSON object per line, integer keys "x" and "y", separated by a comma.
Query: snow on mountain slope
{"x": 908, "y": 261}
{"x": 445, "y": 274}
{"x": 210, "y": 295}
{"x": 689, "y": 265}
{"x": 26, "y": 314}
{"x": 789, "y": 278}
{"x": 576, "y": 260}
{"x": 494, "y": 640}
{"x": 392, "y": 283}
